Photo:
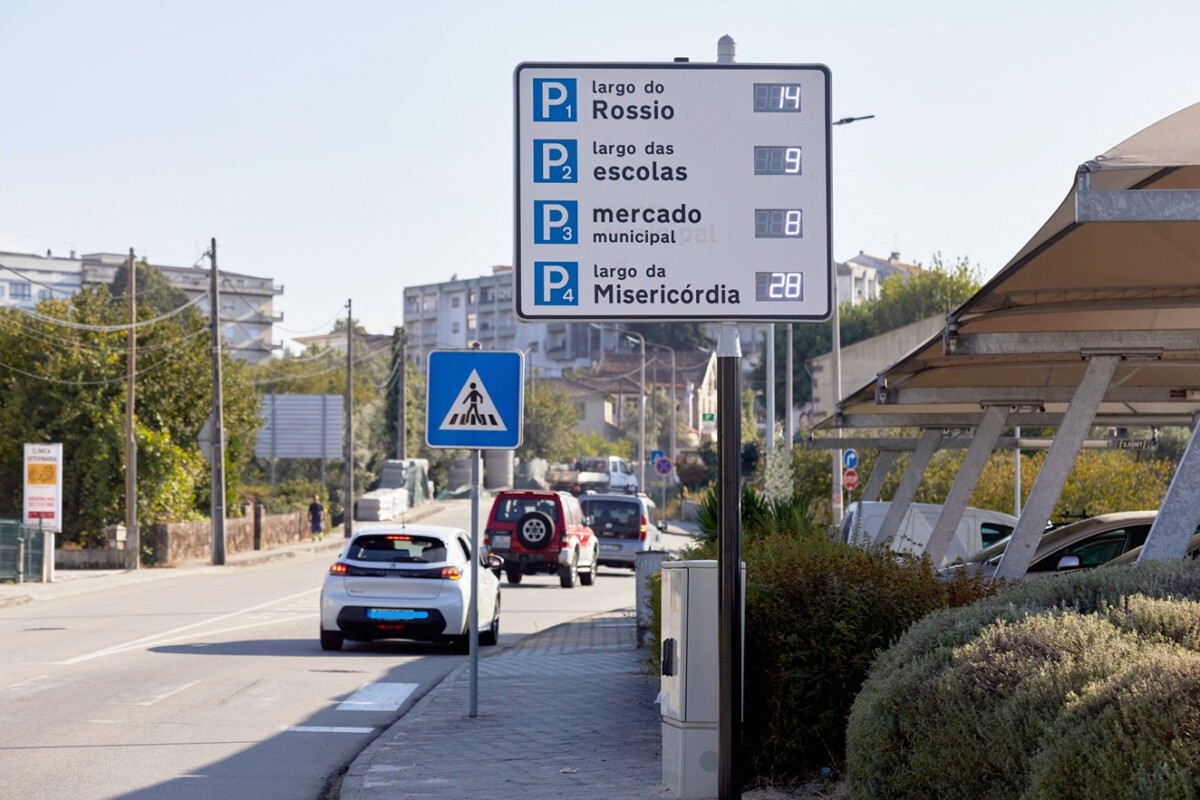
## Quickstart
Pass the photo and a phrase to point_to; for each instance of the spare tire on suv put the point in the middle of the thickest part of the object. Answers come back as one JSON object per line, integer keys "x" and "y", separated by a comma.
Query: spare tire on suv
{"x": 535, "y": 530}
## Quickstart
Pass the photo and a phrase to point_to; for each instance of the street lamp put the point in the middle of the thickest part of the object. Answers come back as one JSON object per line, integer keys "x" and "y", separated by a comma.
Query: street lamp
{"x": 671, "y": 350}
{"x": 642, "y": 404}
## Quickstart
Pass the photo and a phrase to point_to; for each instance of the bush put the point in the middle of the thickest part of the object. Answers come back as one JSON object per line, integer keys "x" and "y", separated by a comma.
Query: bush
{"x": 979, "y": 702}
{"x": 818, "y": 611}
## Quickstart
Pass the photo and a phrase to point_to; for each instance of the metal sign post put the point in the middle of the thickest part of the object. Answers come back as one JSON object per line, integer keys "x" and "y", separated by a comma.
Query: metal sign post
{"x": 475, "y": 399}
{"x": 680, "y": 191}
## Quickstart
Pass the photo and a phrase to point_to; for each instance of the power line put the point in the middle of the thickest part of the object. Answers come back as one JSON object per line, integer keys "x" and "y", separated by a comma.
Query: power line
{"x": 108, "y": 328}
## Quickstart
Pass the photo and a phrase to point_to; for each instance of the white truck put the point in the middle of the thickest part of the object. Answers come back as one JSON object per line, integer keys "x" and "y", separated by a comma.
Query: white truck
{"x": 595, "y": 474}
{"x": 978, "y": 528}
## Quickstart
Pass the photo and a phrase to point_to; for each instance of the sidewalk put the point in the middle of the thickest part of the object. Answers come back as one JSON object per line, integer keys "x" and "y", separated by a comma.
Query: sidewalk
{"x": 70, "y": 582}
{"x": 566, "y": 713}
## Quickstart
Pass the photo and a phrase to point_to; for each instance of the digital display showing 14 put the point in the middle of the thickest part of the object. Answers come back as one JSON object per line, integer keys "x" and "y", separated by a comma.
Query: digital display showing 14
{"x": 777, "y": 97}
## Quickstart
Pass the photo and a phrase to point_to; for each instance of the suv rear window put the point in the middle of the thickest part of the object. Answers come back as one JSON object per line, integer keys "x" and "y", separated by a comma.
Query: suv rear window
{"x": 394, "y": 547}
{"x": 614, "y": 517}
{"x": 511, "y": 509}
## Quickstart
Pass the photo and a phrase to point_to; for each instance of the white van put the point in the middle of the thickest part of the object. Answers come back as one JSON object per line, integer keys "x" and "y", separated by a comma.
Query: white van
{"x": 978, "y": 528}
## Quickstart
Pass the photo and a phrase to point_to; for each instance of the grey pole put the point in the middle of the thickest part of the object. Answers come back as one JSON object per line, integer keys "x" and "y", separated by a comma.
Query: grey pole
{"x": 218, "y": 417}
{"x": 131, "y": 517}
{"x": 729, "y": 561}
{"x": 789, "y": 426}
{"x": 769, "y": 363}
{"x": 473, "y": 606}
{"x": 348, "y": 506}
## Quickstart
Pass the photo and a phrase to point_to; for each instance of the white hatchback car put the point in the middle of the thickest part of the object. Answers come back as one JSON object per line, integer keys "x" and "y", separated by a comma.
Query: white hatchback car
{"x": 395, "y": 581}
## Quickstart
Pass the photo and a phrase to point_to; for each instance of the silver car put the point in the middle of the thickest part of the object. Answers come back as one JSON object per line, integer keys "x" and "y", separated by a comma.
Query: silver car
{"x": 1081, "y": 545}
{"x": 625, "y": 524}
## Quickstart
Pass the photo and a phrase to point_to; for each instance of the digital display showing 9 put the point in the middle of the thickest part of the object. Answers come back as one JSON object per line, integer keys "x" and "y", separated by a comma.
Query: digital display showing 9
{"x": 776, "y": 160}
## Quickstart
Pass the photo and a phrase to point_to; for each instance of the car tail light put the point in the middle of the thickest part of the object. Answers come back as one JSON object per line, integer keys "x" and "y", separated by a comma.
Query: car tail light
{"x": 338, "y": 569}
{"x": 451, "y": 573}
{"x": 642, "y": 529}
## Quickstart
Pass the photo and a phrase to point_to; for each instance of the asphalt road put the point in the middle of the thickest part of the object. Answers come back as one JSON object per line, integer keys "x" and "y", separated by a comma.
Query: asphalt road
{"x": 211, "y": 684}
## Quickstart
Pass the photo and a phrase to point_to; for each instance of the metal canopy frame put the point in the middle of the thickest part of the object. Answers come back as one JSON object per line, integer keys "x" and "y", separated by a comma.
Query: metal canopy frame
{"x": 1095, "y": 322}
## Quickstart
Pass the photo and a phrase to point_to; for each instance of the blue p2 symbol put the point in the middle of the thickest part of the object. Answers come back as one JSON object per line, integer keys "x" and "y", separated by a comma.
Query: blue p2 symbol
{"x": 556, "y": 283}
{"x": 556, "y": 222}
{"x": 554, "y": 161}
{"x": 554, "y": 100}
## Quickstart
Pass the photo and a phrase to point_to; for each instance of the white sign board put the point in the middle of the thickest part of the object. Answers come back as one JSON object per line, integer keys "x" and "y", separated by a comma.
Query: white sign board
{"x": 673, "y": 191}
{"x": 43, "y": 486}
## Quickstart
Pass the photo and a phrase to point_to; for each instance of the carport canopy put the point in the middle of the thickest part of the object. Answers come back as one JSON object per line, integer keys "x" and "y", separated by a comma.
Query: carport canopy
{"x": 1095, "y": 321}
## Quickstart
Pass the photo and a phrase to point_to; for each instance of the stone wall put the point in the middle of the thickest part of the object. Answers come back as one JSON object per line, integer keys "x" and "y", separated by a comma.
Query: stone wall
{"x": 176, "y": 542}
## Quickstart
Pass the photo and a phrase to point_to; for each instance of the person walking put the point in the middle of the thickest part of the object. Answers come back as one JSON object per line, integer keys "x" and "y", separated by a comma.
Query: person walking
{"x": 316, "y": 518}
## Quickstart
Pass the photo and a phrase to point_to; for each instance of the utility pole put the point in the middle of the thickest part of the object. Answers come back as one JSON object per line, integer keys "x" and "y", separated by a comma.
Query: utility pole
{"x": 401, "y": 404}
{"x": 348, "y": 510}
{"x": 218, "y": 418}
{"x": 131, "y": 518}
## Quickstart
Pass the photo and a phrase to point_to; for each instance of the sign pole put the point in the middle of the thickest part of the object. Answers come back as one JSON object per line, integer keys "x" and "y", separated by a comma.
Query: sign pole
{"x": 473, "y": 606}
{"x": 729, "y": 587}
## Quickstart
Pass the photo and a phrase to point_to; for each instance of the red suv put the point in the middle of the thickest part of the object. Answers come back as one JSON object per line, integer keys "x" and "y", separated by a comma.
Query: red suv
{"x": 540, "y": 531}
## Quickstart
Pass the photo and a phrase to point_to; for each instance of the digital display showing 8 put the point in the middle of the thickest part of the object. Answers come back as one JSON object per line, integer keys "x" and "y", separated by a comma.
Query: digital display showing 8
{"x": 776, "y": 160}
{"x": 778, "y": 223}
{"x": 776, "y": 97}
{"x": 781, "y": 286}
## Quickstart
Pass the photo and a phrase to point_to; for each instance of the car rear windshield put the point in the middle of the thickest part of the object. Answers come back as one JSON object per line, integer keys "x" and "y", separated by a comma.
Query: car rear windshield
{"x": 511, "y": 509}
{"x": 613, "y": 516}
{"x": 396, "y": 547}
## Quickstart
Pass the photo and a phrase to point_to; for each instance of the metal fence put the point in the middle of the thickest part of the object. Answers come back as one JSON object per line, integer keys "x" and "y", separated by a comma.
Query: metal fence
{"x": 22, "y": 552}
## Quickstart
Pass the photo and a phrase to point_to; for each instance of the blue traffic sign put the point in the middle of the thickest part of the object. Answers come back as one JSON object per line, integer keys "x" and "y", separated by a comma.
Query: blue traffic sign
{"x": 475, "y": 399}
{"x": 850, "y": 459}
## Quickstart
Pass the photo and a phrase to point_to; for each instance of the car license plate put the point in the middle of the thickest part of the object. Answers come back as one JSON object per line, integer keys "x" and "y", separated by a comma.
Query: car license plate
{"x": 395, "y": 613}
{"x": 610, "y": 547}
{"x": 501, "y": 541}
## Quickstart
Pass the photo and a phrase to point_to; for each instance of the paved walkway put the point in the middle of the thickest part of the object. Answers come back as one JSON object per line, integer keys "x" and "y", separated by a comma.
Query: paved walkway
{"x": 566, "y": 713}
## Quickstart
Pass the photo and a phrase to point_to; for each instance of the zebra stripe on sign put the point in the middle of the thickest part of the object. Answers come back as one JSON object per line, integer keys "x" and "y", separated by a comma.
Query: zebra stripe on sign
{"x": 473, "y": 409}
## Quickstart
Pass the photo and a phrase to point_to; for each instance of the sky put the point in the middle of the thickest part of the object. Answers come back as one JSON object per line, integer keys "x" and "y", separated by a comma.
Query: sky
{"x": 348, "y": 150}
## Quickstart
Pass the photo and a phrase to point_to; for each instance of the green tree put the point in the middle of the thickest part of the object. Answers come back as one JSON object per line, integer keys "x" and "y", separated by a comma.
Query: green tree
{"x": 62, "y": 379}
{"x": 551, "y": 423}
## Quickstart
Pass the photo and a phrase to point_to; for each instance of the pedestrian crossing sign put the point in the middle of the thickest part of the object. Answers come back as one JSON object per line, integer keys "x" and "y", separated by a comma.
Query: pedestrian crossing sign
{"x": 475, "y": 399}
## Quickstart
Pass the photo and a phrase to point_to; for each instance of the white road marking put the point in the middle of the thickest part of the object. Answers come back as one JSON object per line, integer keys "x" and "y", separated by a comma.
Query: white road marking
{"x": 149, "y": 695}
{"x": 379, "y": 697}
{"x": 178, "y": 633}
{"x": 317, "y": 729}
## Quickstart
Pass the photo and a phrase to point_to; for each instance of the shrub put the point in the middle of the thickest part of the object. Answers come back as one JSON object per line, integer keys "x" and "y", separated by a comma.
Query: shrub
{"x": 960, "y": 706}
{"x": 817, "y": 614}
{"x": 1133, "y": 736}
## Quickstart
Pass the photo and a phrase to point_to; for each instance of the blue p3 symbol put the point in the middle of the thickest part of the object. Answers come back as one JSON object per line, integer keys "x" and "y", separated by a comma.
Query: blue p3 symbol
{"x": 556, "y": 222}
{"x": 556, "y": 283}
{"x": 554, "y": 100}
{"x": 554, "y": 161}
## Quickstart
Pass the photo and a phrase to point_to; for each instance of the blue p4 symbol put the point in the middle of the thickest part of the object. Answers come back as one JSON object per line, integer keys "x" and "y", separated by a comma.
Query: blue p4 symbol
{"x": 554, "y": 100}
{"x": 556, "y": 283}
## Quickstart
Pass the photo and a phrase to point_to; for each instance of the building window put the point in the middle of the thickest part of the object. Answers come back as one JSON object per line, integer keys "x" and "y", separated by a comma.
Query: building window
{"x": 454, "y": 327}
{"x": 19, "y": 291}
{"x": 470, "y": 322}
{"x": 455, "y": 302}
{"x": 44, "y": 294}
{"x": 1, "y": 290}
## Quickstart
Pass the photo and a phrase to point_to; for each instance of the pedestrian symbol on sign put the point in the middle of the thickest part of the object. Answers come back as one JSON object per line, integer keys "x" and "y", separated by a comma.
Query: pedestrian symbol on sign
{"x": 473, "y": 409}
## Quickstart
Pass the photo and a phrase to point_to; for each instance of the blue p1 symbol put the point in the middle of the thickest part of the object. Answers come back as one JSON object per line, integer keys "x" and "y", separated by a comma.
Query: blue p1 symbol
{"x": 556, "y": 222}
{"x": 556, "y": 283}
{"x": 554, "y": 161}
{"x": 554, "y": 100}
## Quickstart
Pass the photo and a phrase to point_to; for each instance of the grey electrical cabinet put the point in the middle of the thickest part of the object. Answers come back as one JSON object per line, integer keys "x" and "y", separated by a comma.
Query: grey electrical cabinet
{"x": 690, "y": 688}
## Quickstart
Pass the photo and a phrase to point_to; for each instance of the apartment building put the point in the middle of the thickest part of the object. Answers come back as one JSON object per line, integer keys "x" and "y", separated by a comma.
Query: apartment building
{"x": 247, "y": 302}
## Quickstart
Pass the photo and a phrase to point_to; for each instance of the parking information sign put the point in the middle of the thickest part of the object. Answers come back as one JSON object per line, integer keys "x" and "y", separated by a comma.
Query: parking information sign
{"x": 475, "y": 399}
{"x": 673, "y": 191}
